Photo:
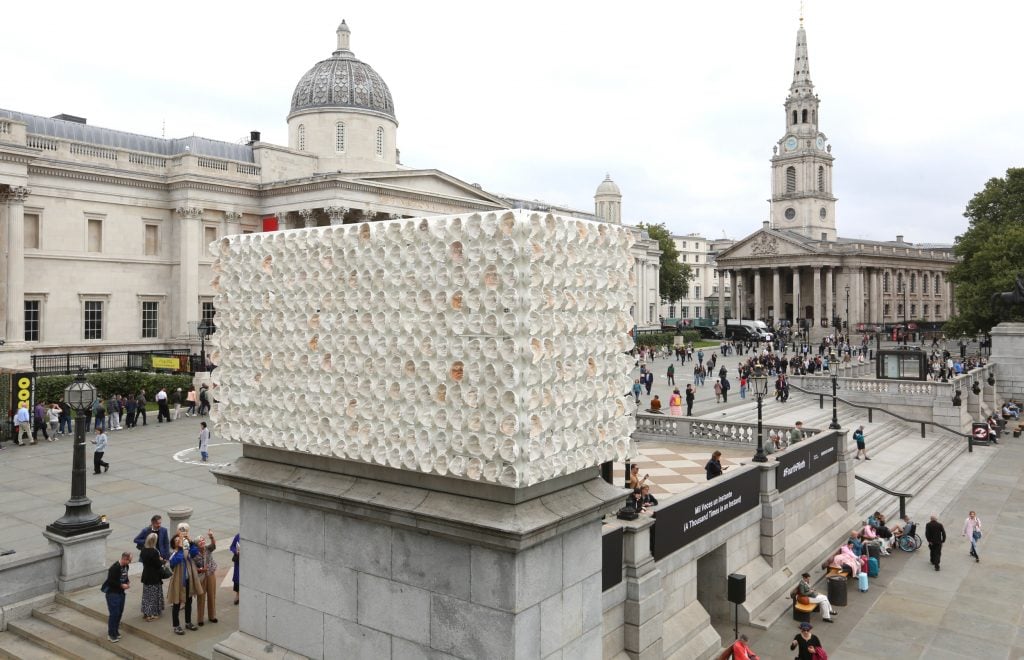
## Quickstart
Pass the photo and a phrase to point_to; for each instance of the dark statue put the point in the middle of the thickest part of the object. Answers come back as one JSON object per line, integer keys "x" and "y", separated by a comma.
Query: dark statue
{"x": 1004, "y": 301}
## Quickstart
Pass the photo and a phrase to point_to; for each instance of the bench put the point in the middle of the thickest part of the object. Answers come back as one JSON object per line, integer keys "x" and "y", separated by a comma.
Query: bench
{"x": 802, "y": 612}
{"x": 832, "y": 570}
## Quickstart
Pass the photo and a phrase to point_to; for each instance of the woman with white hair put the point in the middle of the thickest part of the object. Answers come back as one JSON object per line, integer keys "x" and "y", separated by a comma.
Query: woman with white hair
{"x": 185, "y": 580}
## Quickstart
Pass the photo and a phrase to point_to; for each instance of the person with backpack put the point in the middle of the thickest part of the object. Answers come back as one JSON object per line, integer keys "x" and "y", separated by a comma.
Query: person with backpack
{"x": 204, "y": 398}
{"x": 726, "y": 386}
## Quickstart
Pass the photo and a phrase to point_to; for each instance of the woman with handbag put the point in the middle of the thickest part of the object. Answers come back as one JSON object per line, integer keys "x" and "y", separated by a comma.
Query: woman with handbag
{"x": 972, "y": 530}
{"x": 207, "y": 569}
{"x": 153, "y": 574}
{"x": 184, "y": 582}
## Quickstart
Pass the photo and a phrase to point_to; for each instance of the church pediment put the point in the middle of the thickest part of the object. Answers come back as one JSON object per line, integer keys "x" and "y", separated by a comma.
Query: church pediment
{"x": 765, "y": 244}
{"x": 428, "y": 182}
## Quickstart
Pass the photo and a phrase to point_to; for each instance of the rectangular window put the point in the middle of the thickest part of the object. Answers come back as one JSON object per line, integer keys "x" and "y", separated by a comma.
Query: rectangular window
{"x": 671, "y": 311}
{"x": 697, "y": 312}
{"x": 913, "y": 310}
{"x": 152, "y": 245}
{"x": 31, "y": 231}
{"x": 208, "y": 312}
{"x": 150, "y": 319}
{"x": 33, "y": 309}
{"x": 696, "y": 292}
{"x": 696, "y": 272}
{"x": 95, "y": 236}
{"x": 650, "y": 313}
{"x": 696, "y": 258}
{"x": 209, "y": 236}
{"x": 684, "y": 245}
{"x": 684, "y": 312}
{"x": 682, "y": 258}
{"x": 938, "y": 311}
{"x": 899, "y": 310}
{"x": 926, "y": 311}
{"x": 887, "y": 309}
{"x": 93, "y": 318}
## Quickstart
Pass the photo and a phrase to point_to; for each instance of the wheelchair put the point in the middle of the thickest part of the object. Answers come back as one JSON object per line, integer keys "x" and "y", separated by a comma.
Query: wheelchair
{"x": 909, "y": 541}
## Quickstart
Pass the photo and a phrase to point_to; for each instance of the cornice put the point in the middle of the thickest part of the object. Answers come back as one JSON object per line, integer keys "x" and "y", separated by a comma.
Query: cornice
{"x": 77, "y": 175}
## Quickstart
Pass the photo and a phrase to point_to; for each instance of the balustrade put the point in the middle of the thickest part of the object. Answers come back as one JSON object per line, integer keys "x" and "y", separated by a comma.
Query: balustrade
{"x": 36, "y": 142}
{"x": 144, "y": 159}
{"x": 92, "y": 150}
{"x": 5, "y": 127}
{"x": 213, "y": 164}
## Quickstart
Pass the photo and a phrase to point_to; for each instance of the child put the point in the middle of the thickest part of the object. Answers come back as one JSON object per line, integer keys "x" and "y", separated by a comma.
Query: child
{"x": 204, "y": 441}
{"x": 97, "y": 454}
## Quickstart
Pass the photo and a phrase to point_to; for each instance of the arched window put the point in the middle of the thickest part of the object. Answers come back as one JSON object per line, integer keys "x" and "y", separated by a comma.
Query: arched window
{"x": 938, "y": 278}
{"x": 899, "y": 282}
{"x": 302, "y": 137}
{"x": 790, "y": 179}
{"x": 821, "y": 178}
{"x": 794, "y": 116}
{"x": 885, "y": 282}
{"x": 339, "y": 137}
{"x": 803, "y": 118}
{"x": 380, "y": 141}
{"x": 913, "y": 282}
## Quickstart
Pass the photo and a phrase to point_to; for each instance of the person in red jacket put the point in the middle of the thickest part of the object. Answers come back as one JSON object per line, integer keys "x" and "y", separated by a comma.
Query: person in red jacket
{"x": 741, "y": 650}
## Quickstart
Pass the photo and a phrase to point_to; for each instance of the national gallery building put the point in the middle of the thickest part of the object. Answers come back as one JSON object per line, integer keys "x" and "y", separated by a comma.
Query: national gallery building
{"x": 797, "y": 269}
{"x": 105, "y": 233}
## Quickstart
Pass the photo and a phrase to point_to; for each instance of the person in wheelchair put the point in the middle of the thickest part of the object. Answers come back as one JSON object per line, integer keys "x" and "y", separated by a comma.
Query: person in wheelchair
{"x": 906, "y": 535}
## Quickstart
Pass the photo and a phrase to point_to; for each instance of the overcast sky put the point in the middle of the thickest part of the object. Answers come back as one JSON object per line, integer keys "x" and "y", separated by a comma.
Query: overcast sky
{"x": 681, "y": 102}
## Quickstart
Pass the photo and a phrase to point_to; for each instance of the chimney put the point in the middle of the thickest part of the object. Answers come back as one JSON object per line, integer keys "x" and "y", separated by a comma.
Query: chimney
{"x": 64, "y": 117}
{"x": 899, "y": 238}
{"x": 254, "y": 136}
{"x": 764, "y": 224}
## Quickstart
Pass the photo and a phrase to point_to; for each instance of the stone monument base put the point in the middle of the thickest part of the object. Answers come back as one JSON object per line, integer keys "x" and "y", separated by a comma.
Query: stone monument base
{"x": 1008, "y": 353}
{"x": 83, "y": 559}
{"x": 371, "y": 567}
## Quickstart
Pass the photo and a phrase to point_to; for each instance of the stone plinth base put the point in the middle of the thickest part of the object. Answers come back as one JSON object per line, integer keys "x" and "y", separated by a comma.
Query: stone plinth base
{"x": 82, "y": 561}
{"x": 381, "y": 569}
{"x": 1008, "y": 354}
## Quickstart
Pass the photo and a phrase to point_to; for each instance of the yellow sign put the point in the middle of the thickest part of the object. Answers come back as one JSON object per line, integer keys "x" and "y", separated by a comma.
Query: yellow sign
{"x": 165, "y": 362}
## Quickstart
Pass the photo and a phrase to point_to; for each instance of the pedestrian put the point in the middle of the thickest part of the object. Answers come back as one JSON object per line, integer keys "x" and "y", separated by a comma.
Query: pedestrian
{"x": 648, "y": 383}
{"x": 743, "y": 387}
{"x": 140, "y": 407}
{"x": 204, "y": 397}
{"x": 152, "y": 578}
{"x": 935, "y": 534}
{"x": 675, "y": 403}
{"x": 714, "y": 468}
{"x": 805, "y": 643}
{"x": 726, "y": 386}
{"x": 690, "y": 396}
{"x": 718, "y": 391}
{"x": 184, "y": 582}
{"x": 53, "y": 417}
{"x": 23, "y": 420}
{"x": 115, "y": 587}
{"x": 163, "y": 412}
{"x": 176, "y": 402}
{"x": 65, "y": 418}
{"x": 39, "y": 422}
{"x": 131, "y": 408}
{"x": 190, "y": 401}
{"x": 206, "y": 566}
{"x": 113, "y": 413}
{"x": 97, "y": 453}
{"x": 163, "y": 542}
{"x": 235, "y": 550}
{"x": 972, "y": 530}
{"x": 204, "y": 441}
{"x": 670, "y": 374}
{"x": 858, "y": 437}
{"x": 741, "y": 649}
{"x": 637, "y": 389}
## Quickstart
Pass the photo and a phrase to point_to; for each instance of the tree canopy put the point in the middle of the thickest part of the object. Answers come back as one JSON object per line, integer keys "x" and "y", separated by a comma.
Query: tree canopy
{"x": 673, "y": 275}
{"x": 991, "y": 252}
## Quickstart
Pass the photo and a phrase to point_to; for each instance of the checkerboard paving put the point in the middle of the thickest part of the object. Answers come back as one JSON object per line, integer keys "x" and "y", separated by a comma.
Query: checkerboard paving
{"x": 675, "y": 468}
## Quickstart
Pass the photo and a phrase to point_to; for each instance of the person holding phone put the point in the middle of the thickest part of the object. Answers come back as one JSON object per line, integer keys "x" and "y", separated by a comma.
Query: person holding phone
{"x": 714, "y": 466}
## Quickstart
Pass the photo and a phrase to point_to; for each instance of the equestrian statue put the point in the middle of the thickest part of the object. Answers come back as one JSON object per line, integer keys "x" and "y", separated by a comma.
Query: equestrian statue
{"x": 1003, "y": 301}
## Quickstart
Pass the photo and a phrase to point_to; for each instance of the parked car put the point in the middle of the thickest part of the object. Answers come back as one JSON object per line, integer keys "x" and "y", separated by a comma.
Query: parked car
{"x": 706, "y": 332}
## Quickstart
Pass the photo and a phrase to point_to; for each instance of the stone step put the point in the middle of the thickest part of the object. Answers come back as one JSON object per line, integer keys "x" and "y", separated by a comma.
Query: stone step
{"x": 62, "y": 643}
{"x": 15, "y": 647}
{"x": 93, "y": 629}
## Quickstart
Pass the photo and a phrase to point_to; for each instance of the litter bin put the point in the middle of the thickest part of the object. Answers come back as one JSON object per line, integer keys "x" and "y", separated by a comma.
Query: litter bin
{"x": 837, "y": 590}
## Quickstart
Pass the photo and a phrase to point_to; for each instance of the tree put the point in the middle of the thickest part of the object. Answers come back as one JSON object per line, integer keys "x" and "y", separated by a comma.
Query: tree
{"x": 991, "y": 252}
{"x": 673, "y": 275}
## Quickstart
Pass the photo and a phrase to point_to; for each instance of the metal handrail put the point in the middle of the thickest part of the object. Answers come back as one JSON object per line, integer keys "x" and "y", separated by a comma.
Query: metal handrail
{"x": 903, "y": 496}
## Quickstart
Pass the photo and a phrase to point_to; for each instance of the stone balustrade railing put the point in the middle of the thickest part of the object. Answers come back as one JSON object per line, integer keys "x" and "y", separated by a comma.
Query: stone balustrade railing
{"x": 5, "y": 127}
{"x": 704, "y": 431}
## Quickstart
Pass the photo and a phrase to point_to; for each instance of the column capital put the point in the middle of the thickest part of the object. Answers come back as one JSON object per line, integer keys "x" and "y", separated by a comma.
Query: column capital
{"x": 308, "y": 218}
{"x": 232, "y": 216}
{"x": 336, "y": 214}
{"x": 16, "y": 194}
{"x": 189, "y": 212}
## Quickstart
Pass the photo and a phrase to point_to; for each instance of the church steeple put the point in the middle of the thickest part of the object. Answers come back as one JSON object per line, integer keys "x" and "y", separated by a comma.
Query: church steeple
{"x": 802, "y": 198}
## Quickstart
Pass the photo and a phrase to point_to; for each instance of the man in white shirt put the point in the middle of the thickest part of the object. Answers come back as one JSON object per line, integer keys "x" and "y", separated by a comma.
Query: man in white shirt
{"x": 164, "y": 411}
{"x": 24, "y": 421}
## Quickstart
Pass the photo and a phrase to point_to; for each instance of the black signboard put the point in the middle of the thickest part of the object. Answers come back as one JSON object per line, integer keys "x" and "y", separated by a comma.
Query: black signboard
{"x": 611, "y": 559}
{"x": 685, "y": 521}
{"x": 803, "y": 460}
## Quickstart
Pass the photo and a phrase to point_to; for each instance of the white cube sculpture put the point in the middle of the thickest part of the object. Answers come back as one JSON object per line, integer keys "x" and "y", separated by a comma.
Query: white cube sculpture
{"x": 482, "y": 346}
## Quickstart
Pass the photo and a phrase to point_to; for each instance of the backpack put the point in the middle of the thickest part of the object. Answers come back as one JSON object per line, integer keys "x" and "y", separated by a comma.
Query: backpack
{"x": 726, "y": 386}
{"x": 627, "y": 513}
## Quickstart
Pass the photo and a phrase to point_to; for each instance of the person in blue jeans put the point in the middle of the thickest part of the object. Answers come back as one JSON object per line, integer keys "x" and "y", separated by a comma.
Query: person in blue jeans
{"x": 115, "y": 587}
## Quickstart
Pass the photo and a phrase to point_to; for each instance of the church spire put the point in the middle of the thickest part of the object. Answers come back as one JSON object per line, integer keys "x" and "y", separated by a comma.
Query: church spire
{"x": 802, "y": 84}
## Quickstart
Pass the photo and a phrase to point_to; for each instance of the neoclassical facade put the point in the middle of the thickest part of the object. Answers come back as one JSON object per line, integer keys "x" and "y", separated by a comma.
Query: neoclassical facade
{"x": 105, "y": 233}
{"x": 797, "y": 269}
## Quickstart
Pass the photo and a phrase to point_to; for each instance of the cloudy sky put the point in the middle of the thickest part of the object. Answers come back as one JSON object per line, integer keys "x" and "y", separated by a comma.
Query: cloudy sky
{"x": 680, "y": 101}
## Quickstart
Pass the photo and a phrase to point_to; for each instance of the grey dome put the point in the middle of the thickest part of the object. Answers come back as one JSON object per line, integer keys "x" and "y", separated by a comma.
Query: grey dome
{"x": 343, "y": 82}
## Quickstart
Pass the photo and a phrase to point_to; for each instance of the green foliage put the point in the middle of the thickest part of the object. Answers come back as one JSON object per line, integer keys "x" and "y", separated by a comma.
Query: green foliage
{"x": 991, "y": 252}
{"x": 656, "y": 339}
{"x": 51, "y": 388}
{"x": 673, "y": 276}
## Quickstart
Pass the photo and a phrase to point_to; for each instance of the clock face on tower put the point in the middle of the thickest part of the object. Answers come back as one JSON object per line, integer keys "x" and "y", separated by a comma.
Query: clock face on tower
{"x": 790, "y": 143}
{"x": 790, "y": 213}
{"x": 820, "y": 143}
{"x": 822, "y": 212}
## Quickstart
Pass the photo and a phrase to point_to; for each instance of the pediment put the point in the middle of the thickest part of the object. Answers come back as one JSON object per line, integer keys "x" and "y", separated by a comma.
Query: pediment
{"x": 765, "y": 244}
{"x": 428, "y": 182}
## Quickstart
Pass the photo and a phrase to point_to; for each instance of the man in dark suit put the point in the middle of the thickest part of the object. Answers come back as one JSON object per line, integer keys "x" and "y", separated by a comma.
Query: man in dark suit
{"x": 935, "y": 534}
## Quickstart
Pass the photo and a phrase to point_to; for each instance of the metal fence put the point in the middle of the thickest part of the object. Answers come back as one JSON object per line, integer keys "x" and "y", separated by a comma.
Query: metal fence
{"x": 70, "y": 363}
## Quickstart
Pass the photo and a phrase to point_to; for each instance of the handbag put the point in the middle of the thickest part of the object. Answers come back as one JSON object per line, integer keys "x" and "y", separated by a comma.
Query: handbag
{"x": 166, "y": 572}
{"x": 976, "y": 534}
{"x": 803, "y": 600}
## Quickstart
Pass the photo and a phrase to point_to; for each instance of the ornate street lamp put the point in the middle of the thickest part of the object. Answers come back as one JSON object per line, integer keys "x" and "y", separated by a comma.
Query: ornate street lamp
{"x": 78, "y": 517}
{"x": 835, "y": 417}
{"x": 759, "y": 383}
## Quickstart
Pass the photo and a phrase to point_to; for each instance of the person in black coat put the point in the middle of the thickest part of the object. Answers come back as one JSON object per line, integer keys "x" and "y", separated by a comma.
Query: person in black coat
{"x": 115, "y": 587}
{"x": 152, "y": 578}
{"x": 935, "y": 534}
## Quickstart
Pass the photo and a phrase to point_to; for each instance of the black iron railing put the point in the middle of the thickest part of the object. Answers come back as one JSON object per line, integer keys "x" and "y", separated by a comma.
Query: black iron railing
{"x": 71, "y": 363}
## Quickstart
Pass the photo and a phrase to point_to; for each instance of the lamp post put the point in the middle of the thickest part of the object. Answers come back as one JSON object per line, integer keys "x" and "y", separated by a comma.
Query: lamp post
{"x": 759, "y": 381}
{"x": 906, "y": 328}
{"x": 835, "y": 385}
{"x": 206, "y": 328}
{"x": 847, "y": 313}
{"x": 78, "y": 517}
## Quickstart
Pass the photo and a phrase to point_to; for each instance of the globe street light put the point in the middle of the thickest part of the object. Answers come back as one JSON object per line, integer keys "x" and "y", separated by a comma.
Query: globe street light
{"x": 78, "y": 517}
{"x": 759, "y": 382}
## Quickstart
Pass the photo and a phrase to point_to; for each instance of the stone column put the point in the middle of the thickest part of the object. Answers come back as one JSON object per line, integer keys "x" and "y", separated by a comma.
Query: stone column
{"x": 738, "y": 293}
{"x": 15, "y": 196}
{"x": 721, "y": 298}
{"x": 188, "y": 266}
{"x": 308, "y": 218}
{"x": 773, "y": 519}
{"x": 232, "y": 223}
{"x": 876, "y": 295}
{"x": 758, "y": 314}
{"x": 644, "y": 594}
{"x": 776, "y": 295}
{"x": 816, "y": 288}
{"x": 282, "y": 220}
{"x": 797, "y": 312}
{"x": 830, "y": 311}
{"x": 336, "y": 214}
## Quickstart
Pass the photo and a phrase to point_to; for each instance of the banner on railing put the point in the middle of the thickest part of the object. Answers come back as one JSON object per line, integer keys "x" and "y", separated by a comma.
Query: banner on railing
{"x": 685, "y": 521}
{"x": 804, "y": 460}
